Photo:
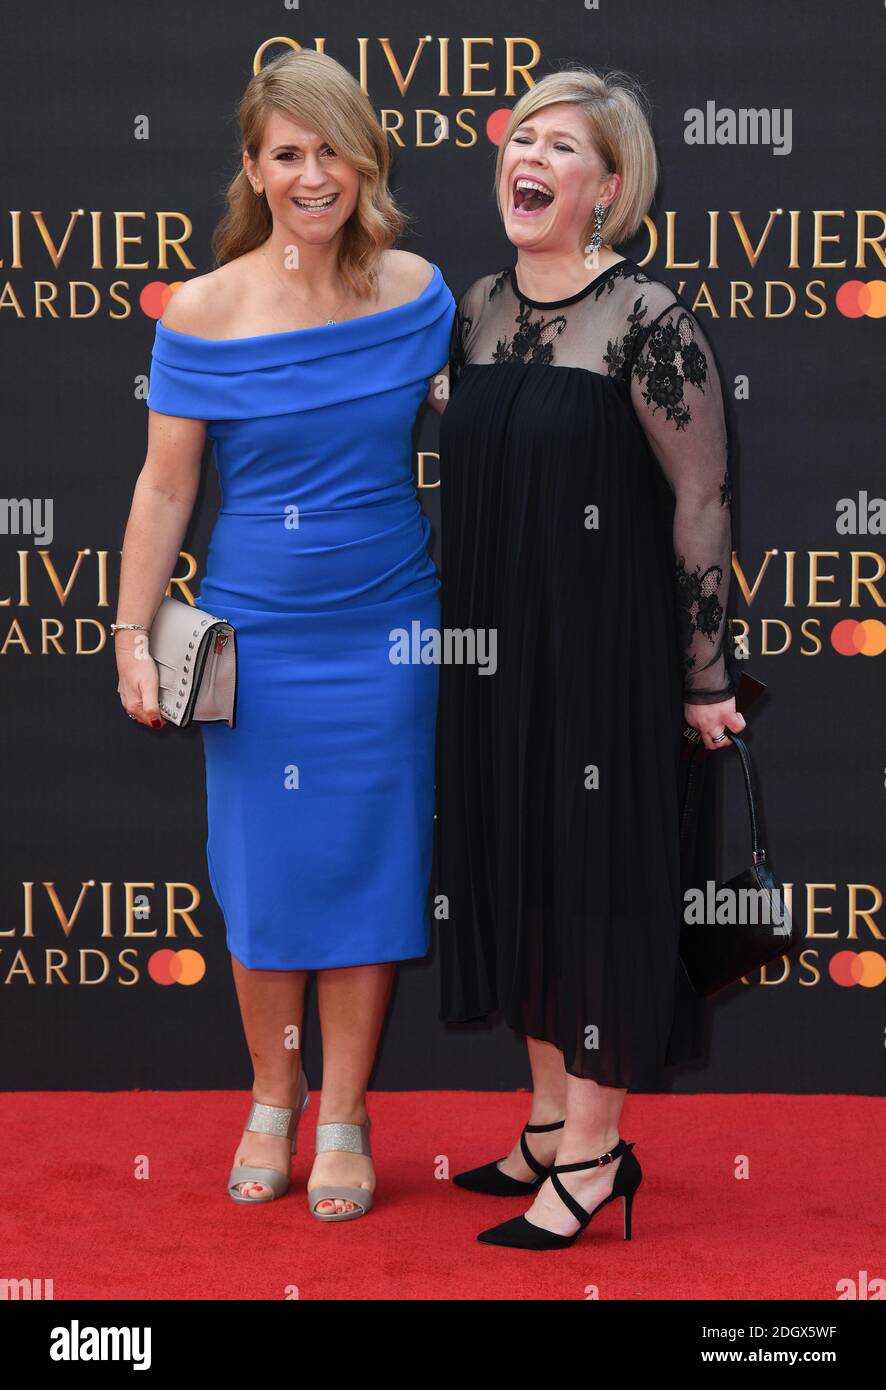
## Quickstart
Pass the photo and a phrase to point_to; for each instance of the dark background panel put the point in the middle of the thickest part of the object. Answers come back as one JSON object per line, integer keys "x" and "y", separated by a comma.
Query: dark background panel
{"x": 86, "y": 796}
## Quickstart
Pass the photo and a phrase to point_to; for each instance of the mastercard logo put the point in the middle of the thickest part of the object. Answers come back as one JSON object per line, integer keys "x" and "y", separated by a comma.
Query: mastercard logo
{"x": 853, "y": 638}
{"x": 855, "y": 299}
{"x": 864, "y": 968}
{"x": 155, "y": 296}
{"x": 176, "y": 967}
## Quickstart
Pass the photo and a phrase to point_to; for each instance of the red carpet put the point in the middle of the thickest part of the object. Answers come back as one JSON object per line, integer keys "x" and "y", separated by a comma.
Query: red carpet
{"x": 811, "y": 1213}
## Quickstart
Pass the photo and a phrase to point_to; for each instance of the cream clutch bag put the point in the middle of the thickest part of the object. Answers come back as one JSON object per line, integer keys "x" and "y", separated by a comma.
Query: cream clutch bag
{"x": 196, "y": 657}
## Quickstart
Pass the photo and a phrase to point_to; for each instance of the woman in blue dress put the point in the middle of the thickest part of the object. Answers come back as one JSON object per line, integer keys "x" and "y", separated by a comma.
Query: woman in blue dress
{"x": 304, "y": 357}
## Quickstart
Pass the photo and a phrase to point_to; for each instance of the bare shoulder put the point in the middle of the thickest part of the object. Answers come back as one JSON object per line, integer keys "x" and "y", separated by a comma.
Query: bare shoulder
{"x": 202, "y": 306}
{"x": 404, "y": 275}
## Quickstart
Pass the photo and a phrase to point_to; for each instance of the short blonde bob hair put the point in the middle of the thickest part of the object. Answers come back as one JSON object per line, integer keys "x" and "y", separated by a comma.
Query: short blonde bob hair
{"x": 321, "y": 94}
{"x": 616, "y": 109}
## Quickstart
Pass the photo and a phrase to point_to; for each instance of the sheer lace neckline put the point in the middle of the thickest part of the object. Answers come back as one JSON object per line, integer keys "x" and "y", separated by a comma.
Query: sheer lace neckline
{"x": 573, "y": 298}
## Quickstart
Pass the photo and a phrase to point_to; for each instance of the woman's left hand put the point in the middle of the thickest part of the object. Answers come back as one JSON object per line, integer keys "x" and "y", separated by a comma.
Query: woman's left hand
{"x": 713, "y": 720}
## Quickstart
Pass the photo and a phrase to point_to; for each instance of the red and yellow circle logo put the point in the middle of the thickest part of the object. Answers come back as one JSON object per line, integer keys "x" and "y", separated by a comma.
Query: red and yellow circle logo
{"x": 865, "y": 968}
{"x": 176, "y": 967}
{"x": 858, "y": 299}
{"x": 853, "y": 638}
{"x": 155, "y": 296}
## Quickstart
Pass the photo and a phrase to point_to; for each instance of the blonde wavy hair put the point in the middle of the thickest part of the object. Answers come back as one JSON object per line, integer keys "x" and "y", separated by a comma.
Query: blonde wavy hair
{"x": 318, "y": 92}
{"x": 617, "y": 112}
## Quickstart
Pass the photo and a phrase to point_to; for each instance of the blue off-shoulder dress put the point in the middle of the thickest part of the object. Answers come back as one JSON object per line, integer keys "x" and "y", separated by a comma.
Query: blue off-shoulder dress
{"x": 320, "y": 799}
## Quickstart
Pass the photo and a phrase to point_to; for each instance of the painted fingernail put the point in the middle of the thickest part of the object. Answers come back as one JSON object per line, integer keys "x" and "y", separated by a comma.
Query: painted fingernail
{"x": 156, "y": 723}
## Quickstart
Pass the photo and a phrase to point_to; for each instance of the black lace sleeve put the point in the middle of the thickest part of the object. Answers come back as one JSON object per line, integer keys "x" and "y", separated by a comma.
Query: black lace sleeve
{"x": 677, "y": 396}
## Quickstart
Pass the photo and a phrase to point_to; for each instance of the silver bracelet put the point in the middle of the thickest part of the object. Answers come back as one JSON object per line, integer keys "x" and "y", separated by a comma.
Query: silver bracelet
{"x": 125, "y": 627}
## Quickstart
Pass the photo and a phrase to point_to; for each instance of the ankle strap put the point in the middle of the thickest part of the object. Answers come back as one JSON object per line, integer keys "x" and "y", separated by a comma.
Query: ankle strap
{"x": 528, "y": 1157}
{"x": 600, "y": 1162}
{"x": 578, "y": 1211}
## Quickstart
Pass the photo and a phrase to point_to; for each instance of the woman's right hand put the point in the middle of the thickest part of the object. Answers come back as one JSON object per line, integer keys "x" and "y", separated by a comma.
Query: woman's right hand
{"x": 139, "y": 685}
{"x": 162, "y": 503}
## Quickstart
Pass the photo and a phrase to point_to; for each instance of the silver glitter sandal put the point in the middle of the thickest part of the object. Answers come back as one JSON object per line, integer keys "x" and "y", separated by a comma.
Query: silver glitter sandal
{"x": 270, "y": 1119}
{"x": 340, "y": 1138}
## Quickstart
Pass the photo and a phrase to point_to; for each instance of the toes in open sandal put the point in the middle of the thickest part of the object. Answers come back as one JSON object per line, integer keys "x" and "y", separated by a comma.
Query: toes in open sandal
{"x": 269, "y": 1119}
{"x": 341, "y": 1138}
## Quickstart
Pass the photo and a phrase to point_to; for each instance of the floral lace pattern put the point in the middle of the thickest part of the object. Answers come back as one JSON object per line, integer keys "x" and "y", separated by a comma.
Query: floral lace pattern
{"x": 533, "y": 341}
{"x": 665, "y": 360}
{"x": 671, "y": 358}
{"x": 699, "y": 607}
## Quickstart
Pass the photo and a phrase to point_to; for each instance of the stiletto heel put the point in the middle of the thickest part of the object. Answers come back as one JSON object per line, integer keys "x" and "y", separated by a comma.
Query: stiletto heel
{"x": 270, "y": 1119}
{"x": 490, "y": 1180}
{"x": 520, "y": 1234}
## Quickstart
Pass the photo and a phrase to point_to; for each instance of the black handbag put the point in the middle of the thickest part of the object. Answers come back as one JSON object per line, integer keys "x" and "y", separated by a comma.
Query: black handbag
{"x": 715, "y": 954}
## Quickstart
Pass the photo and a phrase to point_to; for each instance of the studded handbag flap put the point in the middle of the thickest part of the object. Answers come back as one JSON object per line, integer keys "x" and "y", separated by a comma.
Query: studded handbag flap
{"x": 196, "y": 657}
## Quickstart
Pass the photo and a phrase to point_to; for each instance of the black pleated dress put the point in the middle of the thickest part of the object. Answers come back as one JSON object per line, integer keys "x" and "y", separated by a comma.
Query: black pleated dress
{"x": 586, "y": 531}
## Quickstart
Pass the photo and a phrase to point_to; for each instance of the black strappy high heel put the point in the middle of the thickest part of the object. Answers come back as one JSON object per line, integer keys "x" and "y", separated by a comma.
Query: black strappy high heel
{"x": 494, "y": 1183}
{"x": 520, "y": 1234}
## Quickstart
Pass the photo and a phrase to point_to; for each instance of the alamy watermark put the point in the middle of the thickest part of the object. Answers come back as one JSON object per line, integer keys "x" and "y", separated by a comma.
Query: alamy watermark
{"x": 710, "y": 906}
{"x": 743, "y": 125}
{"x": 451, "y": 646}
{"x": 27, "y": 516}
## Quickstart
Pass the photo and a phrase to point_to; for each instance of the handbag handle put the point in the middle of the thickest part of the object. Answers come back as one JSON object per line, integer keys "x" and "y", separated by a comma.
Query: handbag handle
{"x": 751, "y": 788}
{"x": 753, "y": 793}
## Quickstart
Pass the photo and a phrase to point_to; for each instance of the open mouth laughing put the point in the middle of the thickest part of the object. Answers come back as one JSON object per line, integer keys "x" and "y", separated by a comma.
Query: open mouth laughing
{"x": 530, "y": 196}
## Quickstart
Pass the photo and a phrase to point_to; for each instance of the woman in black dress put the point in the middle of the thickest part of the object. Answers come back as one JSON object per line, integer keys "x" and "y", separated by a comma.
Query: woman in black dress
{"x": 586, "y": 520}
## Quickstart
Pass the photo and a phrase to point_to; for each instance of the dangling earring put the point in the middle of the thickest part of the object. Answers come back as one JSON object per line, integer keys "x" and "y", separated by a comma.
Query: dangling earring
{"x": 596, "y": 239}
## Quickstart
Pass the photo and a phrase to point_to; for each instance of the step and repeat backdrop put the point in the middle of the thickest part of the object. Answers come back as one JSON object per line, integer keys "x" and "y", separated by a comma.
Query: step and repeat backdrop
{"x": 119, "y": 137}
